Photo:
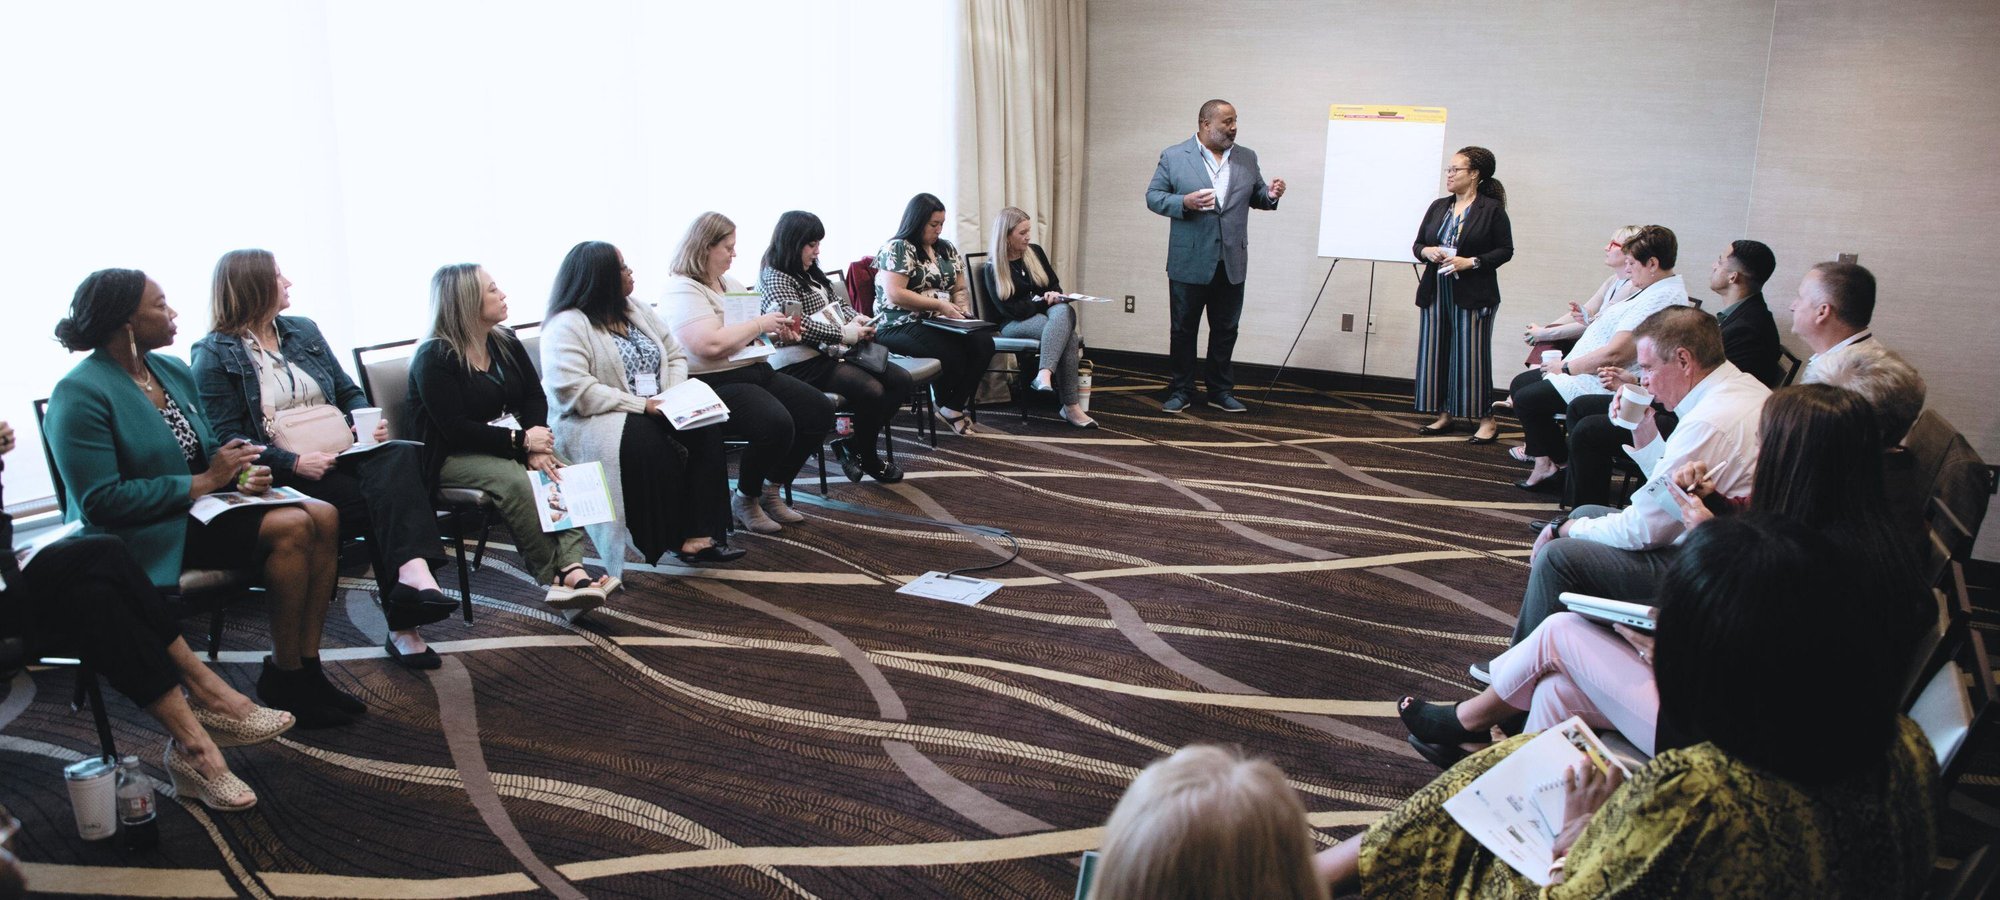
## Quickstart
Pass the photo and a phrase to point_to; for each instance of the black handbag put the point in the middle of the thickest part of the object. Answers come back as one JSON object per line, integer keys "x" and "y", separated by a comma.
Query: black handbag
{"x": 872, "y": 357}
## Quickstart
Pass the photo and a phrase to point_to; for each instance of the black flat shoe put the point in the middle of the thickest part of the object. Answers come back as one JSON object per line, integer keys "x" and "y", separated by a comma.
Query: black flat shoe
{"x": 428, "y": 659}
{"x": 1550, "y": 485}
{"x": 713, "y": 553}
{"x": 1538, "y": 525}
{"x": 849, "y": 465}
{"x": 884, "y": 472}
{"x": 408, "y": 607}
{"x": 1435, "y": 723}
{"x": 1435, "y": 430}
{"x": 437, "y": 599}
{"x": 1476, "y": 439}
{"x": 1444, "y": 756}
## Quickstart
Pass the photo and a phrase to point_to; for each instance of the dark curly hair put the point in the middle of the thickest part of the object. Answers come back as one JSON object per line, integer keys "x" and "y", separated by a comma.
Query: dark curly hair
{"x": 104, "y": 302}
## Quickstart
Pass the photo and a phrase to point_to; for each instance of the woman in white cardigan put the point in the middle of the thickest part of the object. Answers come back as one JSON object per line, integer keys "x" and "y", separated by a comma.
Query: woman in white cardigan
{"x": 604, "y": 358}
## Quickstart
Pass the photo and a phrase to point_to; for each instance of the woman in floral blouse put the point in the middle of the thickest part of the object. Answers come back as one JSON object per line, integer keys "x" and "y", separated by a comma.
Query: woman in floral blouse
{"x": 918, "y": 276}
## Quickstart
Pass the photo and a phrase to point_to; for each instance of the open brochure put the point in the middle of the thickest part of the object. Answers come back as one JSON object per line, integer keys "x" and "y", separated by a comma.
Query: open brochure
{"x": 579, "y": 498}
{"x": 359, "y": 449}
{"x": 1516, "y": 808}
{"x": 209, "y": 506}
{"x": 1085, "y": 298}
{"x": 692, "y": 404}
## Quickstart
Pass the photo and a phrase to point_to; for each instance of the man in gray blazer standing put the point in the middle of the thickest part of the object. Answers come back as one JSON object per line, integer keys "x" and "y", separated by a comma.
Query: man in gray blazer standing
{"x": 1207, "y": 186}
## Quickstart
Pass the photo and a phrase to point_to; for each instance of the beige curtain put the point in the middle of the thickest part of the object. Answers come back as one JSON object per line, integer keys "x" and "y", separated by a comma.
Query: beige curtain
{"x": 1020, "y": 121}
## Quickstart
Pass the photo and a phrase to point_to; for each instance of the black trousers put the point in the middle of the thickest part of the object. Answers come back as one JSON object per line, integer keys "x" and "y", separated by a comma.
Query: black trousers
{"x": 1224, "y": 303}
{"x": 382, "y": 499}
{"x": 964, "y": 358}
{"x": 872, "y": 398}
{"x": 88, "y": 598}
{"x": 1595, "y": 443}
{"x": 1536, "y": 404}
{"x": 783, "y": 418}
{"x": 676, "y": 483}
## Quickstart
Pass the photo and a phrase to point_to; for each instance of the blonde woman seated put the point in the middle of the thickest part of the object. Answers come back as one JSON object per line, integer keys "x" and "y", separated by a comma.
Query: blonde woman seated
{"x": 785, "y": 419}
{"x": 1208, "y": 824}
{"x": 1030, "y": 300}
{"x": 476, "y": 403}
{"x": 607, "y": 358}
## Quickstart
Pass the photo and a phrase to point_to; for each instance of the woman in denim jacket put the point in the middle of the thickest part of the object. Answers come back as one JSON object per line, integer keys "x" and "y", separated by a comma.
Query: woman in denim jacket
{"x": 254, "y": 364}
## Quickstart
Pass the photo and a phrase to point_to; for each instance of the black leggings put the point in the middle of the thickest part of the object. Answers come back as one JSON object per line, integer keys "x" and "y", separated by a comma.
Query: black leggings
{"x": 1536, "y": 404}
{"x": 964, "y": 358}
{"x": 783, "y": 418}
{"x": 87, "y": 597}
{"x": 874, "y": 399}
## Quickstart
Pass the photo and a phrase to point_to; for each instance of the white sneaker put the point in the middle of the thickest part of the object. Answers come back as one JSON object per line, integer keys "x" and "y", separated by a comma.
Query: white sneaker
{"x": 775, "y": 506}
{"x": 750, "y": 515}
{"x": 1479, "y": 673}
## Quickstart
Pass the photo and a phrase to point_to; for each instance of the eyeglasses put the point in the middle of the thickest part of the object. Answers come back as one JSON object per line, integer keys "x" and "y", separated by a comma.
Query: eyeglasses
{"x": 1614, "y": 245}
{"x": 1451, "y": 170}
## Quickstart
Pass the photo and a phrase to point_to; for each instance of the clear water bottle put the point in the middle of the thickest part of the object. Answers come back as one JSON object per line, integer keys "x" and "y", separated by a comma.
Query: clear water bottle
{"x": 138, "y": 817}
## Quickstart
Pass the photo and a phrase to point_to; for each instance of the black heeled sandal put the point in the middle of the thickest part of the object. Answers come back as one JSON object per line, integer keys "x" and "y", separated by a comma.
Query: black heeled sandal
{"x": 884, "y": 472}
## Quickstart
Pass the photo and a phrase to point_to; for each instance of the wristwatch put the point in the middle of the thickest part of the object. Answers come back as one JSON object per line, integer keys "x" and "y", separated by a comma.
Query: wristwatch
{"x": 1566, "y": 370}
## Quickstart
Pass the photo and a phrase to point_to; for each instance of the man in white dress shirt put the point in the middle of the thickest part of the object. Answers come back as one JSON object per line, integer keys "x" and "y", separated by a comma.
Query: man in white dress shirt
{"x": 1622, "y": 554}
{"x": 1835, "y": 303}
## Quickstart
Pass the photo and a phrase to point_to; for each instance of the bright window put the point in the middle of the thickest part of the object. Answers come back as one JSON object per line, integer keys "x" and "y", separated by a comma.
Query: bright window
{"x": 367, "y": 143}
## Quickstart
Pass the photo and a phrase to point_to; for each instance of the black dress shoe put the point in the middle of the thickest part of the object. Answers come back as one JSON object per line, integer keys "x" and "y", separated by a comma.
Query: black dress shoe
{"x": 407, "y": 607}
{"x": 884, "y": 472}
{"x": 428, "y": 659}
{"x": 1538, "y": 525}
{"x": 1550, "y": 485}
{"x": 713, "y": 553}
{"x": 437, "y": 599}
{"x": 1435, "y": 430}
{"x": 849, "y": 465}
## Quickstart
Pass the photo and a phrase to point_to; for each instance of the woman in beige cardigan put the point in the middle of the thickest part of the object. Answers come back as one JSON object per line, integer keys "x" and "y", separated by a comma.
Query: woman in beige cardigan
{"x": 604, "y": 358}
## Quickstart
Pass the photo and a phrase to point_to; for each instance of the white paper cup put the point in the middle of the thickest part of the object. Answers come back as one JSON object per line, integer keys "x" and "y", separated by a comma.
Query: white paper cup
{"x": 1551, "y": 356}
{"x": 93, "y": 796}
{"x": 1629, "y": 405}
{"x": 365, "y": 420}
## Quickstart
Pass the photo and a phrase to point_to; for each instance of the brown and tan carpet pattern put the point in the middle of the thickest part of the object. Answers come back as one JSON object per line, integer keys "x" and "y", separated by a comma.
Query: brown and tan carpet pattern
{"x": 790, "y": 727}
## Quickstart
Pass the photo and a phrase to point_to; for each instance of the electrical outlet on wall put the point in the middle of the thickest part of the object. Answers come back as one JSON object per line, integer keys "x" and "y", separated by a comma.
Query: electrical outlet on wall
{"x": 1131, "y": 304}
{"x": 1850, "y": 258}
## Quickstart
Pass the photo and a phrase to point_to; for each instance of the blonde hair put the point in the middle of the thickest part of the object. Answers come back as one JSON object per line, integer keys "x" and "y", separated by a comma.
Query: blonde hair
{"x": 708, "y": 230}
{"x": 244, "y": 291}
{"x": 1625, "y": 234}
{"x": 457, "y": 297}
{"x": 1208, "y": 823}
{"x": 1003, "y": 281}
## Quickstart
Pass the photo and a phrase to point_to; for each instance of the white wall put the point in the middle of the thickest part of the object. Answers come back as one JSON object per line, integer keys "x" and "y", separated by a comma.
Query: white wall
{"x": 1816, "y": 127}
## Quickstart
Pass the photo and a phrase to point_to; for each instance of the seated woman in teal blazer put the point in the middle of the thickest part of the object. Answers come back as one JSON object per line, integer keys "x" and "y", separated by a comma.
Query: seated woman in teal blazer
{"x": 134, "y": 451}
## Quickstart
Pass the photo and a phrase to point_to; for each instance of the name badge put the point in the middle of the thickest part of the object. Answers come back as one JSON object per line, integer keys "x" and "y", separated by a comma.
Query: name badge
{"x": 648, "y": 383}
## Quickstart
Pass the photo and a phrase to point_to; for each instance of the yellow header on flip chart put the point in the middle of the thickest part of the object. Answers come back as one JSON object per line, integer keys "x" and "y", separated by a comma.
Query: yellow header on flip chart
{"x": 1359, "y": 112}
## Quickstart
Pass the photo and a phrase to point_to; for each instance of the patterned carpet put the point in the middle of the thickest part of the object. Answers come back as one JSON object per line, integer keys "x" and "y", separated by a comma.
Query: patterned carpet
{"x": 790, "y": 727}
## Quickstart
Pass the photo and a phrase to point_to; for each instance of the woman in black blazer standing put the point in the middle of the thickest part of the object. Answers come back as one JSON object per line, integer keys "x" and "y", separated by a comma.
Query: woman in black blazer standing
{"x": 1464, "y": 238}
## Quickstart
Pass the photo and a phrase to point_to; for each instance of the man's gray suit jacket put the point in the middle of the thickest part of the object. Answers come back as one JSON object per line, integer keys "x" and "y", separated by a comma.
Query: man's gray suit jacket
{"x": 1200, "y": 238}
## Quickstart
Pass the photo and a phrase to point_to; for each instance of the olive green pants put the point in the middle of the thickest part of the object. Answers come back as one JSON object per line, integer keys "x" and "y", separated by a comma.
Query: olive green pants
{"x": 544, "y": 552}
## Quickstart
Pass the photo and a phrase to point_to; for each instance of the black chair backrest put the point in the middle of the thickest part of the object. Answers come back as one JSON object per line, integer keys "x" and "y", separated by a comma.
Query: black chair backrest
{"x": 1792, "y": 366}
{"x": 975, "y": 276}
{"x": 49, "y": 454}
